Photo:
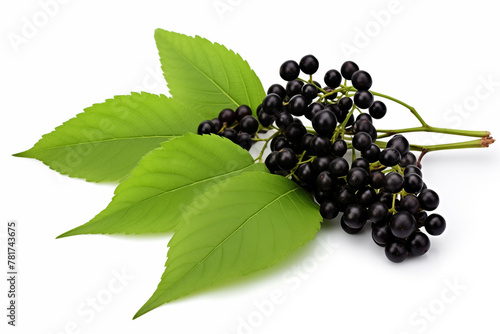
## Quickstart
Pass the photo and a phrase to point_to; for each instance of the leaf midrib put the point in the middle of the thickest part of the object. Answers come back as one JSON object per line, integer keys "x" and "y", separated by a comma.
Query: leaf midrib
{"x": 181, "y": 187}
{"x": 33, "y": 150}
{"x": 229, "y": 236}
{"x": 205, "y": 75}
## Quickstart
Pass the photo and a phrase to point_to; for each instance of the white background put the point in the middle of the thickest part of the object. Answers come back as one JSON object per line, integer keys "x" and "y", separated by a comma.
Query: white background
{"x": 433, "y": 55}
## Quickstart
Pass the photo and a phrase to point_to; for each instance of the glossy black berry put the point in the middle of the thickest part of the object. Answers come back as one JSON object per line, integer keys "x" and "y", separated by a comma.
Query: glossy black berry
{"x": 294, "y": 87}
{"x": 355, "y": 216}
{"x": 399, "y": 143}
{"x": 362, "y": 163}
{"x": 349, "y": 229}
{"x": 271, "y": 163}
{"x": 429, "y": 199}
{"x": 277, "y": 89}
{"x": 361, "y": 141}
{"x": 364, "y": 116}
{"x": 312, "y": 109}
{"x": 286, "y": 159}
{"x": 272, "y": 104}
{"x": 333, "y": 78}
{"x": 320, "y": 146}
{"x": 376, "y": 179}
{"x": 420, "y": 217}
{"x": 386, "y": 198}
{"x": 371, "y": 154}
{"x": 309, "y": 91}
{"x": 366, "y": 196}
{"x": 348, "y": 68}
{"x": 413, "y": 183}
{"x": 409, "y": 203}
{"x": 328, "y": 209}
{"x": 264, "y": 118}
{"x": 378, "y": 212}
{"x": 297, "y": 105}
{"x": 289, "y": 70}
{"x": 396, "y": 252}
{"x": 357, "y": 177}
{"x": 324, "y": 122}
{"x": 393, "y": 182}
{"x": 294, "y": 132}
{"x": 363, "y": 99}
{"x": 389, "y": 157}
{"x": 227, "y": 116}
{"x": 242, "y": 111}
{"x": 324, "y": 181}
{"x": 402, "y": 224}
{"x": 309, "y": 64}
{"x": 381, "y": 235}
{"x": 305, "y": 172}
{"x": 435, "y": 224}
{"x": 305, "y": 142}
{"x": 283, "y": 119}
{"x": 230, "y": 134}
{"x": 339, "y": 167}
{"x": 344, "y": 195}
{"x": 249, "y": 124}
{"x": 218, "y": 125}
{"x": 321, "y": 164}
{"x": 418, "y": 243}
{"x": 361, "y": 80}
{"x": 378, "y": 109}
{"x": 408, "y": 159}
{"x": 206, "y": 127}
{"x": 339, "y": 147}
{"x": 244, "y": 140}
{"x": 412, "y": 169}
{"x": 345, "y": 104}
{"x": 279, "y": 142}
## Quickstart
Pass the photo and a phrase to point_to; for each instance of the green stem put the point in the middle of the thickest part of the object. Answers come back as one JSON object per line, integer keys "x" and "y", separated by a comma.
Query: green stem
{"x": 428, "y": 128}
{"x": 483, "y": 142}
{"x": 413, "y": 111}
{"x": 266, "y": 142}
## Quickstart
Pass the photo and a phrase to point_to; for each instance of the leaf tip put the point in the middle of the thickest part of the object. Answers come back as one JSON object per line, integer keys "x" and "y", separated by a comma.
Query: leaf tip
{"x": 23, "y": 154}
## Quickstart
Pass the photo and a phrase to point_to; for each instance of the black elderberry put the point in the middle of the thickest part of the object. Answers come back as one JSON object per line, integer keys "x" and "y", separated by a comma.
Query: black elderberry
{"x": 286, "y": 159}
{"x": 289, "y": 70}
{"x": 363, "y": 99}
{"x": 378, "y": 109}
{"x": 324, "y": 122}
{"x": 206, "y": 127}
{"x": 309, "y": 64}
{"x": 393, "y": 182}
{"x": 272, "y": 104}
{"x": 396, "y": 252}
{"x": 309, "y": 91}
{"x": 297, "y": 105}
{"x": 242, "y": 111}
{"x": 435, "y": 224}
{"x": 230, "y": 134}
{"x": 361, "y": 80}
{"x": 339, "y": 147}
{"x": 294, "y": 132}
{"x": 402, "y": 224}
{"x": 249, "y": 124}
{"x": 429, "y": 199}
{"x": 333, "y": 78}
{"x": 227, "y": 116}
{"x": 328, "y": 209}
{"x": 348, "y": 68}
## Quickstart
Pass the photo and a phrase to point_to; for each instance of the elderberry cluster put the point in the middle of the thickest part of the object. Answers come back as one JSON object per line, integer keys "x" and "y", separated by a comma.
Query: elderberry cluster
{"x": 238, "y": 125}
{"x": 383, "y": 186}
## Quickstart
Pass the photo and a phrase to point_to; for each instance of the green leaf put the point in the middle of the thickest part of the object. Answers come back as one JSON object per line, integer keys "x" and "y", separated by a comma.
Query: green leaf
{"x": 202, "y": 73}
{"x": 249, "y": 225}
{"x": 105, "y": 142}
{"x": 156, "y": 195}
